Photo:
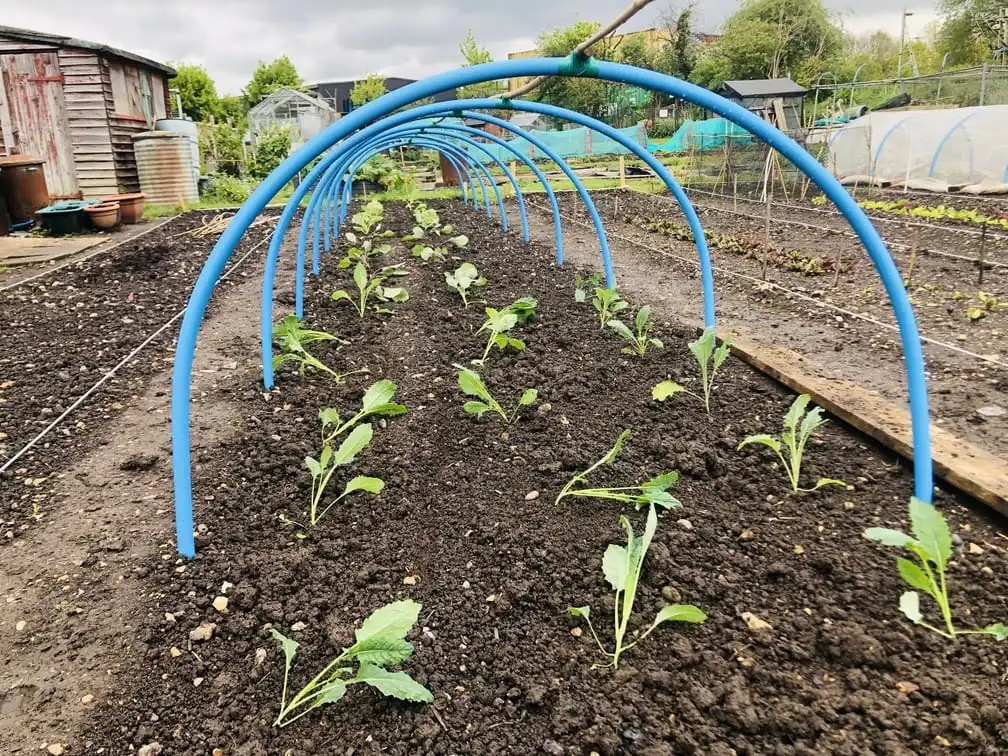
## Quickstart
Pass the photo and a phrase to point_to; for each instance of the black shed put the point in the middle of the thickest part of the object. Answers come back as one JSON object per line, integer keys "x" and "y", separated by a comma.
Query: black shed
{"x": 762, "y": 96}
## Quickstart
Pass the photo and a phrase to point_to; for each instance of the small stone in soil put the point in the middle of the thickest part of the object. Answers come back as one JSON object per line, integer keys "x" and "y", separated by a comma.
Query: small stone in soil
{"x": 747, "y": 535}
{"x": 990, "y": 412}
{"x": 755, "y": 624}
{"x": 531, "y": 496}
{"x": 221, "y": 604}
{"x": 202, "y": 633}
{"x": 671, "y": 594}
{"x": 684, "y": 524}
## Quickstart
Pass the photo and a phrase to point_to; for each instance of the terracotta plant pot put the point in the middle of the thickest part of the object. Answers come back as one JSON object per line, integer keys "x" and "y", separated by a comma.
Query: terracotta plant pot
{"x": 104, "y": 215}
{"x": 130, "y": 205}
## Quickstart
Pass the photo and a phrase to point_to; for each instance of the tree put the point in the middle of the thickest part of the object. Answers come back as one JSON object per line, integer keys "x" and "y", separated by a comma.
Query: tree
{"x": 587, "y": 95}
{"x": 370, "y": 88}
{"x": 474, "y": 55}
{"x": 269, "y": 77}
{"x": 272, "y": 148}
{"x": 231, "y": 110}
{"x": 197, "y": 90}
{"x": 968, "y": 31}
{"x": 772, "y": 39}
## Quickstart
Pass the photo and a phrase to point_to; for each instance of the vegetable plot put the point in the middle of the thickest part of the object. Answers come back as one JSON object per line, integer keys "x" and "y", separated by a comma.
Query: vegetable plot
{"x": 752, "y": 615}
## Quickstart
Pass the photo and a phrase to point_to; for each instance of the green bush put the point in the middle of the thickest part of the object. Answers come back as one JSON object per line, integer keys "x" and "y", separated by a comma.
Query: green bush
{"x": 663, "y": 128}
{"x": 271, "y": 148}
{"x": 226, "y": 190}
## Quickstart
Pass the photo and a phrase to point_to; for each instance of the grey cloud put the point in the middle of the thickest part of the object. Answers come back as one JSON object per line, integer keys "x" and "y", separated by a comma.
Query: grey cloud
{"x": 336, "y": 39}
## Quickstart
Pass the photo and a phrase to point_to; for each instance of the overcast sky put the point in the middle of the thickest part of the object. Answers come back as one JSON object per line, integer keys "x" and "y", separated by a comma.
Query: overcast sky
{"x": 345, "y": 39}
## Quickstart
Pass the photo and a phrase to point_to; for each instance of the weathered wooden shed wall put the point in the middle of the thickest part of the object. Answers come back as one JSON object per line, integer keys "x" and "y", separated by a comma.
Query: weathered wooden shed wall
{"x": 76, "y": 105}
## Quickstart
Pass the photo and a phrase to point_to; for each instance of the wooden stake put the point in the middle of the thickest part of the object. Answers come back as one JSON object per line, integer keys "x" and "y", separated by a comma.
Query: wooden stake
{"x": 735, "y": 192}
{"x": 766, "y": 250}
{"x": 913, "y": 258}
{"x": 622, "y": 173}
{"x": 980, "y": 255}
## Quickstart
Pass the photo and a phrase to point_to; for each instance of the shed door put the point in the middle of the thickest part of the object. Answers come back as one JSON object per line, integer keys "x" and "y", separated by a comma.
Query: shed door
{"x": 33, "y": 89}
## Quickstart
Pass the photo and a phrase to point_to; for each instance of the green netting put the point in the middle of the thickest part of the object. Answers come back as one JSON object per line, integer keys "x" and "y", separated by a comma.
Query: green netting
{"x": 567, "y": 143}
{"x": 703, "y": 135}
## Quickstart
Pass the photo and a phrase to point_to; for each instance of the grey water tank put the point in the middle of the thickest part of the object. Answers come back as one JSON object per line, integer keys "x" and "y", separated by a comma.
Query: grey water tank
{"x": 187, "y": 127}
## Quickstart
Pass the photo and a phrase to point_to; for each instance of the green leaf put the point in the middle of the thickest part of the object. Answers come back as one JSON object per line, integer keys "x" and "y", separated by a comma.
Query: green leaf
{"x": 665, "y": 389}
{"x": 394, "y": 293}
{"x": 703, "y": 347}
{"x": 379, "y": 392}
{"x": 381, "y": 651}
{"x": 353, "y": 444}
{"x": 913, "y": 575}
{"x": 476, "y": 408}
{"x": 289, "y": 646}
{"x": 998, "y": 630}
{"x": 616, "y": 449}
{"x": 827, "y": 482}
{"x": 333, "y": 690}
{"x": 472, "y": 385}
{"x": 620, "y": 328}
{"x": 313, "y": 466}
{"x": 658, "y": 497}
{"x": 339, "y": 295}
{"x": 811, "y": 422}
{"x": 796, "y": 410}
{"x": 722, "y": 352}
{"x": 517, "y": 344}
{"x": 459, "y": 241}
{"x": 395, "y": 684}
{"x": 364, "y": 483}
{"x": 615, "y": 563}
{"x": 910, "y": 606}
{"x": 528, "y": 397}
{"x": 360, "y": 276}
{"x": 329, "y": 416}
{"x": 390, "y": 621}
{"x": 888, "y": 537}
{"x": 661, "y": 482}
{"x": 761, "y": 438}
{"x": 679, "y": 613}
{"x": 931, "y": 530}
{"x": 579, "y": 611}
{"x": 580, "y": 295}
{"x": 642, "y": 318}
{"x": 351, "y": 237}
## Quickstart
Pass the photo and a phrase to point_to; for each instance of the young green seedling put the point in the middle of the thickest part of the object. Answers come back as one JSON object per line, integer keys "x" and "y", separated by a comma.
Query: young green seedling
{"x": 498, "y": 323}
{"x": 426, "y": 252}
{"x": 380, "y": 643}
{"x": 363, "y": 253}
{"x": 709, "y": 360}
{"x": 463, "y": 279}
{"x": 640, "y": 338}
{"x": 622, "y": 566}
{"x": 607, "y": 303}
{"x": 652, "y": 492}
{"x": 369, "y": 219}
{"x": 582, "y": 284}
{"x": 931, "y": 544}
{"x": 368, "y": 286}
{"x": 293, "y": 339}
{"x": 524, "y": 308}
{"x": 377, "y": 402}
{"x": 472, "y": 385}
{"x": 790, "y": 447}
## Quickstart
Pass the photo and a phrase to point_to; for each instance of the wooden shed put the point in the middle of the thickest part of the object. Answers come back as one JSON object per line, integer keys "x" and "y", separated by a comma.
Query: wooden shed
{"x": 76, "y": 104}
{"x": 780, "y": 101}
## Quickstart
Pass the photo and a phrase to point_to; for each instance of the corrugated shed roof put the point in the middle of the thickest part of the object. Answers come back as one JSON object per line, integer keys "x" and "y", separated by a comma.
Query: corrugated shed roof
{"x": 58, "y": 40}
{"x": 760, "y": 88}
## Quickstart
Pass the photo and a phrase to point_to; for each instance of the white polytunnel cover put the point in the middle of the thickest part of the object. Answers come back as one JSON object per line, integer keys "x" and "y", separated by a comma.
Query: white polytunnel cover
{"x": 957, "y": 146}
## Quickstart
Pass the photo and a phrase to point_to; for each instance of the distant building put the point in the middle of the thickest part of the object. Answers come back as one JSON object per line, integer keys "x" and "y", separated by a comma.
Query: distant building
{"x": 75, "y": 105}
{"x": 779, "y": 101}
{"x": 337, "y": 93}
{"x": 303, "y": 115}
{"x": 654, "y": 40}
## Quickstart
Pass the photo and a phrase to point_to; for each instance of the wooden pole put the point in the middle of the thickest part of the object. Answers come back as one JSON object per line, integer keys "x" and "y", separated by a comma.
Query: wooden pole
{"x": 622, "y": 172}
{"x": 913, "y": 258}
{"x": 735, "y": 192}
{"x": 980, "y": 254}
{"x": 766, "y": 247}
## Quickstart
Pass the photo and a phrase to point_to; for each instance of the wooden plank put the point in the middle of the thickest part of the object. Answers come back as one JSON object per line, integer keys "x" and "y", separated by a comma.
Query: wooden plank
{"x": 24, "y": 250}
{"x": 956, "y": 461}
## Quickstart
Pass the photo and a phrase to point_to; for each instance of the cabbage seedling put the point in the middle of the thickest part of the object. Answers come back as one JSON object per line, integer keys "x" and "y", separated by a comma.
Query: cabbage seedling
{"x": 622, "y": 566}
{"x": 363, "y": 253}
{"x": 369, "y": 219}
{"x": 368, "y": 286}
{"x": 377, "y": 402}
{"x": 582, "y": 284}
{"x": 293, "y": 338}
{"x": 640, "y": 338}
{"x": 931, "y": 544}
{"x": 708, "y": 359}
{"x": 322, "y": 470}
{"x": 652, "y": 492}
{"x": 524, "y": 308}
{"x": 472, "y": 385}
{"x": 498, "y": 323}
{"x": 426, "y": 252}
{"x": 607, "y": 303}
{"x": 380, "y": 643}
{"x": 790, "y": 447}
{"x": 463, "y": 279}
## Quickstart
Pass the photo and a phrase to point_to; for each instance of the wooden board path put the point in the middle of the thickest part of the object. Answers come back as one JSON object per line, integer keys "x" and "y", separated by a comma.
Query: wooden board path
{"x": 22, "y": 250}
{"x": 960, "y": 463}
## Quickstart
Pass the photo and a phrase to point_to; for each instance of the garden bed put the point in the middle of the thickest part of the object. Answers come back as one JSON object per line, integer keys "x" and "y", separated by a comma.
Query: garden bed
{"x": 467, "y": 526}
{"x": 804, "y": 306}
{"x": 65, "y": 330}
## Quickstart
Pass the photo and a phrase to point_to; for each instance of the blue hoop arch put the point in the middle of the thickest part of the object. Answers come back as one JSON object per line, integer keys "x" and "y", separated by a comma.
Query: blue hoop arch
{"x": 573, "y": 65}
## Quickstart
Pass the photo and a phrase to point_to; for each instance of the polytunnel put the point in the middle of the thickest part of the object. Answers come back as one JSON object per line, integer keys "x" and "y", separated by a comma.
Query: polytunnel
{"x": 929, "y": 148}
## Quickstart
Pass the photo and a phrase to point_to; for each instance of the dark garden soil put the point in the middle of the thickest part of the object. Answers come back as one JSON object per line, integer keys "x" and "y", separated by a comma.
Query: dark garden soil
{"x": 64, "y": 331}
{"x": 467, "y": 525}
{"x": 804, "y": 317}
